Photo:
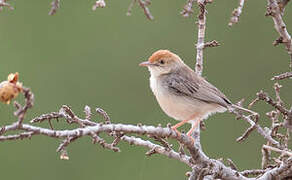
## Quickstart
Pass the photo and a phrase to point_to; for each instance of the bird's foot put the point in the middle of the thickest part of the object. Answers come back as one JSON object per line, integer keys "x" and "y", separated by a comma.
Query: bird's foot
{"x": 177, "y": 132}
{"x": 191, "y": 137}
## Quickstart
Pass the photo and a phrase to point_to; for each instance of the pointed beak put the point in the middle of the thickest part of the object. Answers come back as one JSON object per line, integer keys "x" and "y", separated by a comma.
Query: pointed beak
{"x": 145, "y": 63}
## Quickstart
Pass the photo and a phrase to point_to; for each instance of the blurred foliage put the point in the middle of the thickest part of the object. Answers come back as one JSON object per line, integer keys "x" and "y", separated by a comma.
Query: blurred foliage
{"x": 80, "y": 57}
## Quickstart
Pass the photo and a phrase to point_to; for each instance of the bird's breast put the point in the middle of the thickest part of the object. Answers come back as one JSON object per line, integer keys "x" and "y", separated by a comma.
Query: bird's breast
{"x": 180, "y": 107}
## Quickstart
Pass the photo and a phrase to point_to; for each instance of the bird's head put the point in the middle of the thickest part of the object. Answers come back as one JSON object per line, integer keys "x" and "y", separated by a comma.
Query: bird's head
{"x": 162, "y": 62}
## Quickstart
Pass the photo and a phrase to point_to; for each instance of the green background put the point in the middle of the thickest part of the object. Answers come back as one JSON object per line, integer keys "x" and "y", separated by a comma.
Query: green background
{"x": 82, "y": 57}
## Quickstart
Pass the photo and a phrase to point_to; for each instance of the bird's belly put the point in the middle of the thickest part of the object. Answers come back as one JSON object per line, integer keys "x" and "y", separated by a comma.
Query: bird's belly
{"x": 182, "y": 107}
{"x": 176, "y": 107}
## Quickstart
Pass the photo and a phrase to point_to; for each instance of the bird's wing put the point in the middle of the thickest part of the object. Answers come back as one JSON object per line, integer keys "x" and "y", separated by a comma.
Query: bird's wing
{"x": 194, "y": 86}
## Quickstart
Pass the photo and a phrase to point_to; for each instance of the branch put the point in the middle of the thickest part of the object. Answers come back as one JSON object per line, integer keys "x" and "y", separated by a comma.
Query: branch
{"x": 188, "y": 8}
{"x": 144, "y": 5}
{"x": 55, "y": 6}
{"x": 282, "y": 76}
{"x": 236, "y": 13}
{"x": 201, "y": 36}
{"x": 274, "y": 11}
{"x": 3, "y": 3}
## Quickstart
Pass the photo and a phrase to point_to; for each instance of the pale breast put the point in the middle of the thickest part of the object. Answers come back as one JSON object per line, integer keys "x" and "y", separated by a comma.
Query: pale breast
{"x": 181, "y": 107}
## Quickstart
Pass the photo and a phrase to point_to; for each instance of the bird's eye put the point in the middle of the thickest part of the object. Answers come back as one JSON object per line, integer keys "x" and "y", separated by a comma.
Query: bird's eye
{"x": 161, "y": 62}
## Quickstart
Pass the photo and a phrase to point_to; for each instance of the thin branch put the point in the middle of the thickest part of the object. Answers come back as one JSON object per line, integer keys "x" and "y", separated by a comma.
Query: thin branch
{"x": 232, "y": 164}
{"x": 284, "y": 152}
{"x": 236, "y": 13}
{"x": 258, "y": 128}
{"x": 55, "y": 5}
{"x": 188, "y": 8}
{"x": 129, "y": 12}
{"x": 3, "y": 3}
{"x": 265, "y": 97}
{"x": 144, "y": 5}
{"x": 274, "y": 11}
{"x": 253, "y": 172}
{"x": 104, "y": 114}
{"x": 278, "y": 172}
{"x": 282, "y": 76}
{"x": 98, "y": 4}
{"x": 201, "y": 36}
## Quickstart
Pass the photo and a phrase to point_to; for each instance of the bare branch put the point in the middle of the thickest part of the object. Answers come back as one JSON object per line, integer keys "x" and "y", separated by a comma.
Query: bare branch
{"x": 274, "y": 11}
{"x": 236, "y": 13}
{"x": 144, "y": 5}
{"x": 188, "y": 8}
{"x": 253, "y": 172}
{"x": 265, "y": 97}
{"x": 55, "y": 6}
{"x": 201, "y": 36}
{"x": 104, "y": 114}
{"x": 278, "y": 172}
{"x": 231, "y": 164}
{"x": 98, "y": 4}
{"x": 258, "y": 128}
{"x": 284, "y": 152}
{"x": 3, "y": 3}
{"x": 129, "y": 12}
{"x": 282, "y": 76}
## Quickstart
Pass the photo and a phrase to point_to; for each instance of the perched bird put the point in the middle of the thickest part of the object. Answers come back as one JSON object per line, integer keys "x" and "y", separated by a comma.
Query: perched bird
{"x": 181, "y": 93}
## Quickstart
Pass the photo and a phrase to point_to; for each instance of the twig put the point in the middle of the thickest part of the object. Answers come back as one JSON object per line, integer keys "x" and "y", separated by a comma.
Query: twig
{"x": 3, "y": 3}
{"x": 66, "y": 142}
{"x": 143, "y": 4}
{"x": 253, "y": 172}
{"x": 98, "y": 4}
{"x": 282, "y": 4}
{"x": 201, "y": 36}
{"x": 87, "y": 111}
{"x": 277, "y": 150}
{"x": 231, "y": 164}
{"x": 266, "y": 157}
{"x": 55, "y": 6}
{"x": 188, "y": 8}
{"x": 279, "y": 172}
{"x": 104, "y": 114}
{"x": 44, "y": 117}
{"x": 129, "y": 12}
{"x": 236, "y": 13}
{"x": 246, "y": 133}
{"x": 265, "y": 97}
{"x": 274, "y": 11}
{"x": 258, "y": 128}
{"x": 101, "y": 141}
{"x": 282, "y": 76}
{"x": 212, "y": 43}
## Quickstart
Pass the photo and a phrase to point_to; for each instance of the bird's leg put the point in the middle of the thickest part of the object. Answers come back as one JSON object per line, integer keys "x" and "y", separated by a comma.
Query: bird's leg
{"x": 194, "y": 127}
{"x": 179, "y": 125}
{"x": 182, "y": 123}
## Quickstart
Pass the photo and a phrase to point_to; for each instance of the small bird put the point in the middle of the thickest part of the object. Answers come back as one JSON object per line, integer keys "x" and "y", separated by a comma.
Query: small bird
{"x": 181, "y": 93}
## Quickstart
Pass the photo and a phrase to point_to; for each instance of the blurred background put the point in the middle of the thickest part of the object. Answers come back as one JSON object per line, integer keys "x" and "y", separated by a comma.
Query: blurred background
{"x": 82, "y": 57}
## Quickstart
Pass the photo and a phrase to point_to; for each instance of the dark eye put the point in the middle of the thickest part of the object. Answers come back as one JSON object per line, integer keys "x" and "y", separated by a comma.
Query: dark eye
{"x": 161, "y": 62}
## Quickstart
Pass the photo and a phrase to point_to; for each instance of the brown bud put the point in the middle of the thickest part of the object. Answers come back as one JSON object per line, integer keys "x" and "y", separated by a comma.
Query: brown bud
{"x": 10, "y": 89}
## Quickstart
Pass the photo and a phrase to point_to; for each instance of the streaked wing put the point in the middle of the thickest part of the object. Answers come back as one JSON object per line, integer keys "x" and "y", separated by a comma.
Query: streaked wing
{"x": 195, "y": 87}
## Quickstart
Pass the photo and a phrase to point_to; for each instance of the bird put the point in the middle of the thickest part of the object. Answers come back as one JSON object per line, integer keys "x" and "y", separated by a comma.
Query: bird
{"x": 181, "y": 93}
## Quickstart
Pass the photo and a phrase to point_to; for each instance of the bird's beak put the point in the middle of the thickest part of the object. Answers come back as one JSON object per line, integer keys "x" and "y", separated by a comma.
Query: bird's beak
{"x": 145, "y": 63}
